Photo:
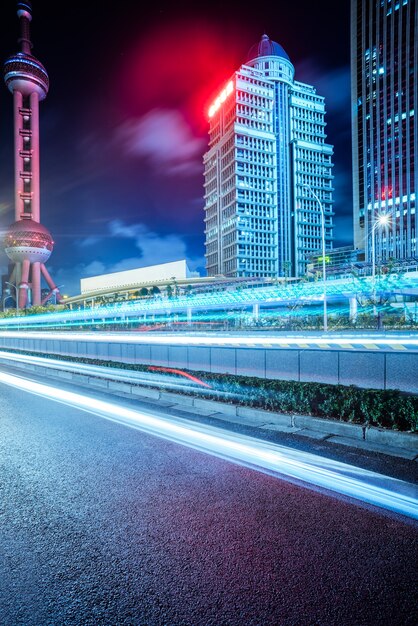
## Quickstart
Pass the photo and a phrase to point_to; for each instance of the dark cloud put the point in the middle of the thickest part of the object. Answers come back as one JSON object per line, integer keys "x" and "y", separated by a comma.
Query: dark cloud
{"x": 164, "y": 137}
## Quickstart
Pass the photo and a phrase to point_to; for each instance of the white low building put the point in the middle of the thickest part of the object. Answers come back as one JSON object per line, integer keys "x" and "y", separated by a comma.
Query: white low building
{"x": 131, "y": 278}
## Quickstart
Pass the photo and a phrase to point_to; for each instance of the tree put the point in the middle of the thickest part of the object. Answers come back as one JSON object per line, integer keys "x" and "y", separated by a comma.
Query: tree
{"x": 175, "y": 287}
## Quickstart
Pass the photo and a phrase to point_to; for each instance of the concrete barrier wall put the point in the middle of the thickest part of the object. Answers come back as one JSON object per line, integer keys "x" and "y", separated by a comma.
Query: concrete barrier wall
{"x": 376, "y": 370}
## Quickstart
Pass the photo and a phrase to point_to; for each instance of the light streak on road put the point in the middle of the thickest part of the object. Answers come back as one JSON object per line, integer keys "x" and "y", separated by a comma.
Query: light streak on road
{"x": 210, "y": 339}
{"x": 74, "y": 319}
{"x": 159, "y": 377}
{"x": 280, "y": 461}
{"x": 175, "y": 370}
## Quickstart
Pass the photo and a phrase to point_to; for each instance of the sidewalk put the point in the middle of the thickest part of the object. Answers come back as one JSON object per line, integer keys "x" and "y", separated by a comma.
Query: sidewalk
{"x": 391, "y": 443}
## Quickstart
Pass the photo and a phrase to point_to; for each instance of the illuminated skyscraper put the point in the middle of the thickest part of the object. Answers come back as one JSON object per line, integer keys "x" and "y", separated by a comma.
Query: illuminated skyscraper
{"x": 27, "y": 243}
{"x": 268, "y": 171}
{"x": 385, "y": 129}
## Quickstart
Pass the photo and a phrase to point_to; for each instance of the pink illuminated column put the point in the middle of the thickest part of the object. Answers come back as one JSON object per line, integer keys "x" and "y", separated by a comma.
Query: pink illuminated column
{"x": 35, "y": 202}
{"x": 36, "y": 284}
{"x": 18, "y": 141}
{"x": 24, "y": 284}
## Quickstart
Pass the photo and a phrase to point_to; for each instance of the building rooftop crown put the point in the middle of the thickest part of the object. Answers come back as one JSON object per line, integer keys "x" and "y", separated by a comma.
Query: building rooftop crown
{"x": 266, "y": 48}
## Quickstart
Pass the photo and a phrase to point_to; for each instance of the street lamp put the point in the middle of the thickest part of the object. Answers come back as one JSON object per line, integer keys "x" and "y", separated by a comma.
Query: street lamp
{"x": 382, "y": 219}
{"x": 324, "y": 274}
{"x": 17, "y": 294}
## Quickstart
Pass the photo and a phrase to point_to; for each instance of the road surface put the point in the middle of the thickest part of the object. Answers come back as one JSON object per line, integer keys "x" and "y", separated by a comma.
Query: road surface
{"x": 104, "y": 524}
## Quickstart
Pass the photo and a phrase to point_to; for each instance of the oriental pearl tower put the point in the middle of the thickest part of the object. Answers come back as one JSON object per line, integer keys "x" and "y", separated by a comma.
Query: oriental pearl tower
{"x": 27, "y": 243}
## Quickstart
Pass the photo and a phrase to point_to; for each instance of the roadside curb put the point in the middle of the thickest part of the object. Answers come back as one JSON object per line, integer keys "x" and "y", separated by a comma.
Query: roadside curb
{"x": 392, "y": 443}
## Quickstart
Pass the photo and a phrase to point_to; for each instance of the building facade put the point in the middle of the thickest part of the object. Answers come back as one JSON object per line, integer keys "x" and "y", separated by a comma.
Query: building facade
{"x": 385, "y": 129}
{"x": 268, "y": 171}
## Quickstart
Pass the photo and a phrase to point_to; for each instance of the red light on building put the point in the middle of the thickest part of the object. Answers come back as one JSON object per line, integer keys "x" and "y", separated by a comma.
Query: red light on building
{"x": 221, "y": 98}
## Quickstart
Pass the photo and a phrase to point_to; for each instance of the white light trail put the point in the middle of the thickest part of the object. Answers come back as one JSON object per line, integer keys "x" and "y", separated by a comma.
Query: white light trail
{"x": 283, "y": 462}
{"x": 210, "y": 339}
{"x": 149, "y": 378}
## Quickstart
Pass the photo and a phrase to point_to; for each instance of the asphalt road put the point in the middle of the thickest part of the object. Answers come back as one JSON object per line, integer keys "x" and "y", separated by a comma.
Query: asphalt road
{"x": 103, "y": 524}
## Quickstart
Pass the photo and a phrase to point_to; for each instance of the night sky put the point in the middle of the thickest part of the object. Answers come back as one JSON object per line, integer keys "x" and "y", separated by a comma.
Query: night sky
{"x": 124, "y": 126}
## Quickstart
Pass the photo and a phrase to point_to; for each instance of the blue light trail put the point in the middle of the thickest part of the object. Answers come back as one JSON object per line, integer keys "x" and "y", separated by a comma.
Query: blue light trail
{"x": 248, "y": 339}
{"x": 299, "y": 293}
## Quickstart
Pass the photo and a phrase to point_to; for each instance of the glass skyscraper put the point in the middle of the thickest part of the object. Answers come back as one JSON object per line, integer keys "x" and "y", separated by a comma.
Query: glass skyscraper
{"x": 268, "y": 171}
{"x": 385, "y": 100}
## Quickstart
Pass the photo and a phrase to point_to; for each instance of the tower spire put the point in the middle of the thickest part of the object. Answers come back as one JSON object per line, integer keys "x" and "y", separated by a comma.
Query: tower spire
{"x": 24, "y": 13}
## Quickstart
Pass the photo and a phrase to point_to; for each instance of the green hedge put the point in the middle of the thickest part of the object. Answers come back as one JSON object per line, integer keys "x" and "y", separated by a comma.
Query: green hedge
{"x": 385, "y": 408}
{"x": 374, "y": 407}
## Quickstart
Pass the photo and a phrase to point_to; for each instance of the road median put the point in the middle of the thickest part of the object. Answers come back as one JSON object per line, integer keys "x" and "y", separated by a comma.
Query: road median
{"x": 391, "y": 442}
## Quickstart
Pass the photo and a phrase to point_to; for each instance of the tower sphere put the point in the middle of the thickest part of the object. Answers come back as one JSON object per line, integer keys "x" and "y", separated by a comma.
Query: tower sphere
{"x": 26, "y": 240}
{"x": 24, "y": 73}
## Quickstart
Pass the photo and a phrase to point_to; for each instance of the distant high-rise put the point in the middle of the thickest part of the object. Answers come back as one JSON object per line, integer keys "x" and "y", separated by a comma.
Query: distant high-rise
{"x": 385, "y": 130}
{"x": 27, "y": 243}
{"x": 268, "y": 171}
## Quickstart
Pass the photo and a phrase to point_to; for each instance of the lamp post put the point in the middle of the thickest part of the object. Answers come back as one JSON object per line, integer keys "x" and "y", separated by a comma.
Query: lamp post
{"x": 324, "y": 274}
{"x": 17, "y": 295}
{"x": 382, "y": 219}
